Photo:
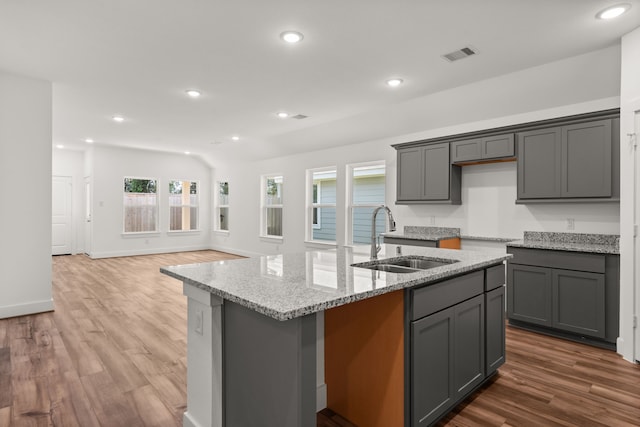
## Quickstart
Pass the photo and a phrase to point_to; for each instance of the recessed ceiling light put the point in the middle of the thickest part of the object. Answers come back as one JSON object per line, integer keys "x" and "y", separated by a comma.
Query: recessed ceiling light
{"x": 193, "y": 93}
{"x": 235, "y": 137}
{"x": 118, "y": 119}
{"x": 89, "y": 141}
{"x": 394, "y": 82}
{"x": 187, "y": 152}
{"x": 613, "y": 11}
{"x": 283, "y": 115}
{"x": 292, "y": 36}
{"x": 60, "y": 146}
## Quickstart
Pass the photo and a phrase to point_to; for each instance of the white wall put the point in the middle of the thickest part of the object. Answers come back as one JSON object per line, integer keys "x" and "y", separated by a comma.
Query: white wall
{"x": 25, "y": 217}
{"x": 108, "y": 166}
{"x": 629, "y": 104}
{"x": 71, "y": 164}
{"x": 488, "y": 191}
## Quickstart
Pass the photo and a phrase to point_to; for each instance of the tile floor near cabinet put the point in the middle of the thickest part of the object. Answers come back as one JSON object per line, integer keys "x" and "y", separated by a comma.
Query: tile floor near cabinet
{"x": 114, "y": 354}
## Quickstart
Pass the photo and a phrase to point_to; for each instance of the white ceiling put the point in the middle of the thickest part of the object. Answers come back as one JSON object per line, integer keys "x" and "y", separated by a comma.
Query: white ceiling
{"x": 137, "y": 57}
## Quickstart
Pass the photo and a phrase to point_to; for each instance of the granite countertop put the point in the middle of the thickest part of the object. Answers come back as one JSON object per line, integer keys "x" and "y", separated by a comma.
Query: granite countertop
{"x": 574, "y": 242}
{"x": 488, "y": 238}
{"x": 287, "y": 286}
{"x": 433, "y": 234}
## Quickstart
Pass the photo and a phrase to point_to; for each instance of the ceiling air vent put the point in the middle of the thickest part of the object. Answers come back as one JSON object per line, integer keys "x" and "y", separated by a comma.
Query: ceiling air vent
{"x": 299, "y": 116}
{"x": 459, "y": 54}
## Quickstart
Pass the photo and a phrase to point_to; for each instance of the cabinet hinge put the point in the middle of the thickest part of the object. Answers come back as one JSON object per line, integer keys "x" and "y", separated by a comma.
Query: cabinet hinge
{"x": 635, "y": 322}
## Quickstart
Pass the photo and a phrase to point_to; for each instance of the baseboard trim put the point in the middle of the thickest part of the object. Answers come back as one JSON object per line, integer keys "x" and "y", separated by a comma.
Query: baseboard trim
{"x": 25, "y": 309}
{"x": 188, "y": 421}
{"x": 235, "y": 251}
{"x": 321, "y": 397}
{"x": 154, "y": 251}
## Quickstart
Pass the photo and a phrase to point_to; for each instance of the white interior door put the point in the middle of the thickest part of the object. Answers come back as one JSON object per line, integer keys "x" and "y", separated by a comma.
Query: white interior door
{"x": 61, "y": 215}
{"x": 88, "y": 238}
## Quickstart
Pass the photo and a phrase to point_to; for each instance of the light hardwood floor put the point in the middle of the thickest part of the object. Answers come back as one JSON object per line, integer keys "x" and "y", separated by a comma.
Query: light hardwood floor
{"x": 114, "y": 354}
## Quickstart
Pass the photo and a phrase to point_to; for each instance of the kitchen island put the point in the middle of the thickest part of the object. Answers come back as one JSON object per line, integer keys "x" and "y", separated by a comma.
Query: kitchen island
{"x": 252, "y": 356}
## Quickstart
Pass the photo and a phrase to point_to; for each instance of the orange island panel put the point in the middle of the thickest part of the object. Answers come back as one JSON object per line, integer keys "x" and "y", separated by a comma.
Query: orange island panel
{"x": 453, "y": 243}
{"x": 364, "y": 360}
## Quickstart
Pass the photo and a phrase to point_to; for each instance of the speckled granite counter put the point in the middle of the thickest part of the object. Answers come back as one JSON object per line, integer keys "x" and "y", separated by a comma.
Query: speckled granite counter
{"x": 433, "y": 234}
{"x": 488, "y": 238}
{"x": 575, "y": 242}
{"x": 292, "y": 285}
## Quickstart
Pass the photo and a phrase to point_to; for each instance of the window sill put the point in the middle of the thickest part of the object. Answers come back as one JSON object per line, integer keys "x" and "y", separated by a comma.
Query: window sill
{"x": 221, "y": 232}
{"x": 179, "y": 232}
{"x": 272, "y": 239}
{"x": 320, "y": 244}
{"x": 140, "y": 234}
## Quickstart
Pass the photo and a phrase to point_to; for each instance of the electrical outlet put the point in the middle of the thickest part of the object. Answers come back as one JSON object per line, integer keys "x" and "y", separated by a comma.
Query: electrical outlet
{"x": 199, "y": 322}
{"x": 432, "y": 220}
{"x": 571, "y": 224}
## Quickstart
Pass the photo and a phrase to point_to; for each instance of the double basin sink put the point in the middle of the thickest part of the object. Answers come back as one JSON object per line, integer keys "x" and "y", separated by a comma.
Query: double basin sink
{"x": 407, "y": 264}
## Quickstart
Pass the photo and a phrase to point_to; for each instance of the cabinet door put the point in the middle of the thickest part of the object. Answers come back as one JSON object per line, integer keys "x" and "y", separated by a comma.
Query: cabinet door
{"x": 586, "y": 159}
{"x": 498, "y": 146}
{"x": 579, "y": 302}
{"x": 495, "y": 326}
{"x": 432, "y": 391}
{"x": 409, "y": 186}
{"x": 435, "y": 160}
{"x": 529, "y": 294}
{"x": 469, "y": 340}
{"x": 539, "y": 164}
{"x": 462, "y": 151}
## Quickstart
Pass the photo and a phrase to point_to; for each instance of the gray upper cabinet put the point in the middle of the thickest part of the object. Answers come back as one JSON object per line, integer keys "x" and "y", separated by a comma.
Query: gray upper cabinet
{"x": 425, "y": 175}
{"x": 586, "y": 160}
{"x": 568, "y": 162}
{"x": 410, "y": 174}
{"x": 481, "y": 149}
{"x": 539, "y": 163}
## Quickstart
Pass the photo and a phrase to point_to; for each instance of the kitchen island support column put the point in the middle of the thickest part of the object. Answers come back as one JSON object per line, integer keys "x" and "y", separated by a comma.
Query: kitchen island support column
{"x": 247, "y": 368}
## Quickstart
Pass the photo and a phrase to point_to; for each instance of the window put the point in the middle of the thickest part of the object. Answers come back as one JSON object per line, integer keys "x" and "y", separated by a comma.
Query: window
{"x": 321, "y": 204}
{"x": 183, "y": 205}
{"x": 222, "y": 208}
{"x": 271, "y": 212}
{"x": 366, "y": 192}
{"x": 140, "y": 205}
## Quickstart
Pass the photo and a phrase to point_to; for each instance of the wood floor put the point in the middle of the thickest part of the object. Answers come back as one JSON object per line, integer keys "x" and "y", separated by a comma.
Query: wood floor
{"x": 114, "y": 354}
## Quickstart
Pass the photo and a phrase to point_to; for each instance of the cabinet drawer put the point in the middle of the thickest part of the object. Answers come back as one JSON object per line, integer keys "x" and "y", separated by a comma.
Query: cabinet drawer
{"x": 436, "y": 297}
{"x": 579, "y": 261}
{"x": 494, "y": 277}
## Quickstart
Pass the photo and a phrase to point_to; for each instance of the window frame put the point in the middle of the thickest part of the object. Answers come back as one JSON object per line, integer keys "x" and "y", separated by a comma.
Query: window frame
{"x": 157, "y": 207}
{"x": 349, "y": 205}
{"x": 264, "y": 206}
{"x": 317, "y": 206}
{"x": 197, "y": 205}
{"x": 219, "y": 206}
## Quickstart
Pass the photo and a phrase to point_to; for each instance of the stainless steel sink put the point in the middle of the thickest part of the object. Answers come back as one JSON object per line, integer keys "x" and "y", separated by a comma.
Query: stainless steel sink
{"x": 390, "y": 268}
{"x": 407, "y": 264}
{"x": 420, "y": 263}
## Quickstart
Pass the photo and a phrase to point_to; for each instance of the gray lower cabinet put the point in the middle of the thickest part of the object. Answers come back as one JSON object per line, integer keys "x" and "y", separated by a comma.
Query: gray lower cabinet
{"x": 456, "y": 330}
{"x": 529, "y": 294}
{"x": 571, "y": 293}
{"x": 425, "y": 175}
{"x": 579, "y": 302}
{"x": 494, "y": 305}
{"x": 576, "y": 161}
{"x": 447, "y": 358}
